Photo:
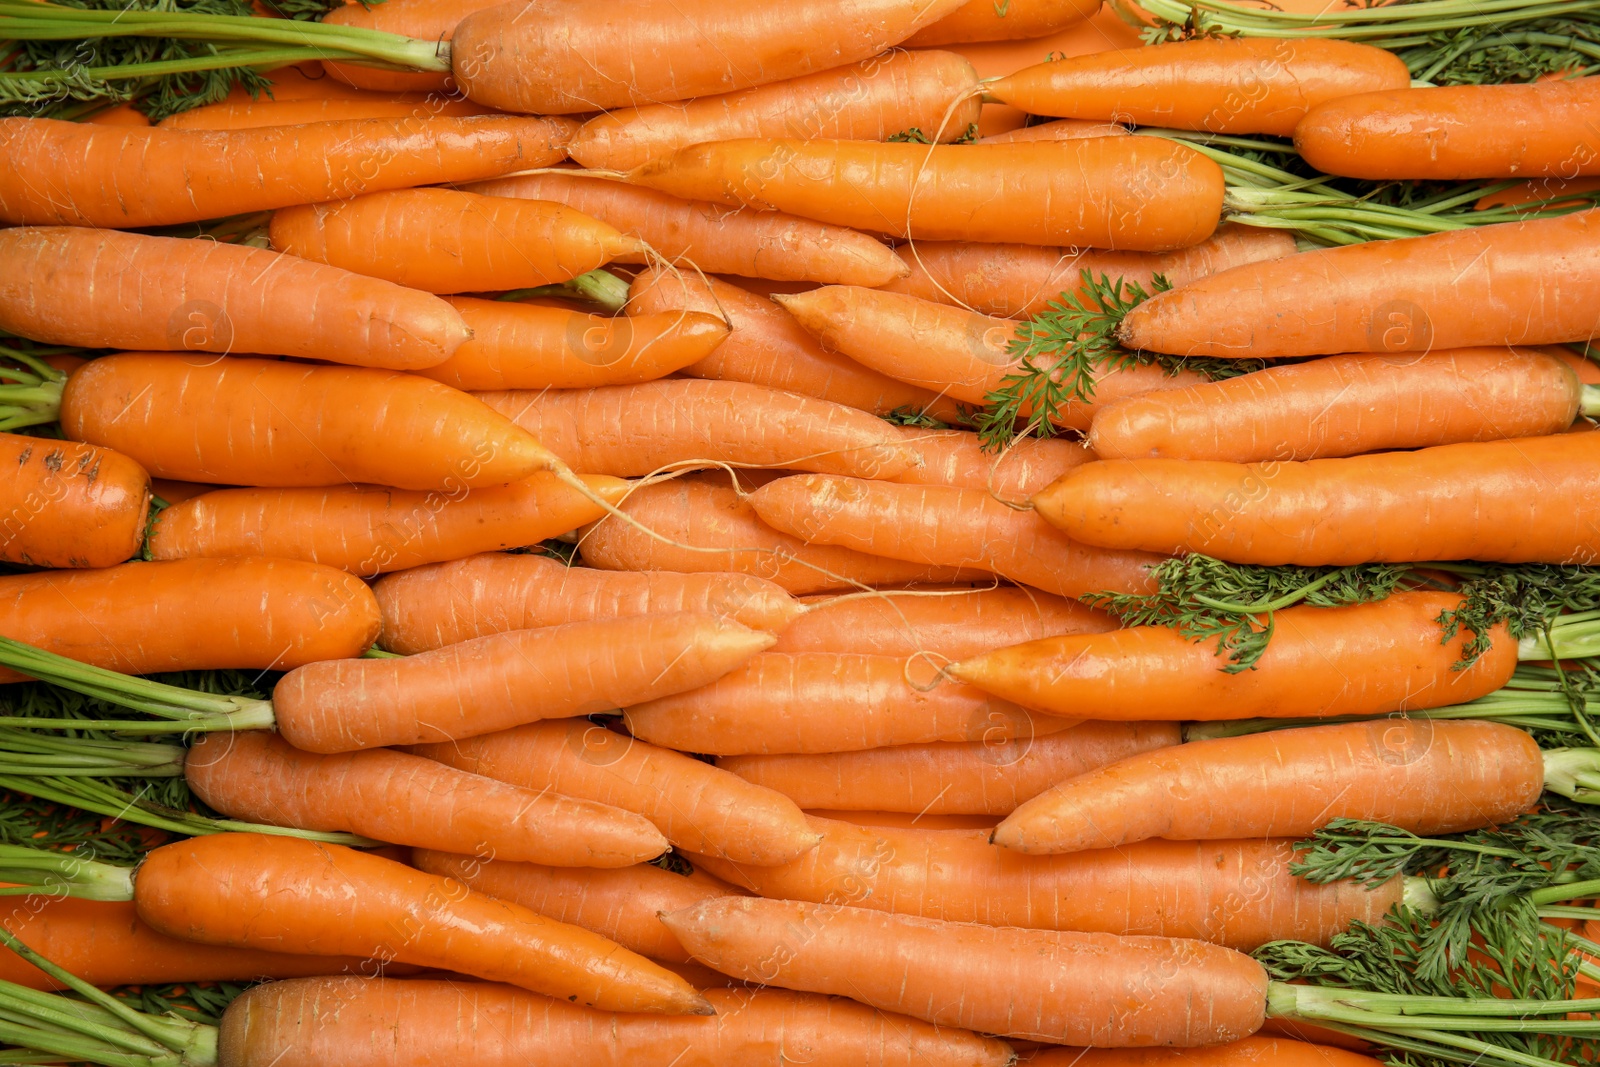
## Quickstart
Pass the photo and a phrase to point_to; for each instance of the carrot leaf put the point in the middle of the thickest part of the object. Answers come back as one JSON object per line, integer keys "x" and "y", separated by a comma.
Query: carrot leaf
{"x": 1527, "y": 597}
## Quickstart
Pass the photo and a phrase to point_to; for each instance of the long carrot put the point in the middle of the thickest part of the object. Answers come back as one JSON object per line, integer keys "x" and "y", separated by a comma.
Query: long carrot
{"x": 1248, "y": 1052}
{"x": 369, "y": 530}
{"x": 525, "y": 346}
{"x": 1059, "y": 130}
{"x": 169, "y": 294}
{"x": 1457, "y": 131}
{"x": 621, "y": 904}
{"x": 74, "y": 174}
{"x": 768, "y": 348}
{"x": 1524, "y": 500}
{"x": 408, "y": 800}
{"x": 1347, "y": 405}
{"x": 254, "y": 114}
{"x": 944, "y": 778}
{"x": 983, "y": 20}
{"x": 698, "y": 807}
{"x": 442, "y": 604}
{"x": 630, "y": 430}
{"x": 1365, "y": 659}
{"x": 1428, "y": 777}
{"x": 428, "y": 20}
{"x": 957, "y": 458}
{"x": 1219, "y": 85}
{"x": 1138, "y": 193}
{"x": 942, "y": 525}
{"x": 869, "y": 101}
{"x": 66, "y": 504}
{"x": 1237, "y": 893}
{"x": 1085, "y": 989}
{"x": 754, "y": 244}
{"x": 257, "y": 422}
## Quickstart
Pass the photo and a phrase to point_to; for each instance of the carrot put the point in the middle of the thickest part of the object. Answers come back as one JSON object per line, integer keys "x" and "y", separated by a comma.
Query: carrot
{"x": 1428, "y": 777}
{"x": 827, "y": 702}
{"x": 756, "y": 244}
{"x": 258, "y": 422}
{"x": 70, "y": 505}
{"x": 907, "y": 821}
{"x": 983, "y": 20}
{"x": 1490, "y": 285}
{"x": 73, "y": 174}
{"x": 1084, "y": 989}
{"x": 504, "y": 680}
{"x": 697, "y": 806}
{"x": 170, "y": 294}
{"x": 254, "y": 891}
{"x": 1248, "y": 1052}
{"x": 368, "y": 530}
{"x": 1059, "y": 130}
{"x": 392, "y": 796}
{"x": 524, "y": 346}
{"x": 956, "y": 458}
{"x": 1138, "y": 193}
{"x": 445, "y": 603}
{"x": 1346, "y": 405}
{"x": 940, "y": 525}
{"x": 945, "y": 778}
{"x": 960, "y": 353}
{"x": 448, "y": 241}
{"x": 1220, "y": 85}
{"x": 869, "y": 101}
{"x": 567, "y": 57}
{"x": 1457, "y": 131}
{"x": 630, "y": 430}
{"x": 1365, "y": 659}
{"x": 388, "y": 1022}
{"x": 429, "y": 20}
{"x": 1528, "y": 499}
{"x": 172, "y": 492}
{"x": 1018, "y": 281}
{"x": 140, "y": 618}
{"x": 254, "y": 114}
{"x": 1234, "y": 893}
{"x": 621, "y": 904}
{"x": 768, "y": 348}
{"x": 709, "y": 513}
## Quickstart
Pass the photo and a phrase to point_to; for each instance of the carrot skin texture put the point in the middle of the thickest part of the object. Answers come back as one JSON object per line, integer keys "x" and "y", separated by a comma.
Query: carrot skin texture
{"x": 980, "y": 20}
{"x": 1365, "y": 659}
{"x": 956, "y": 458}
{"x": 85, "y": 175}
{"x": 1457, "y": 131}
{"x": 445, "y": 603}
{"x": 1345, "y": 406}
{"x": 263, "y": 423}
{"x": 172, "y": 294}
{"x": 428, "y": 20}
{"x": 504, "y": 680}
{"x": 1058, "y": 130}
{"x": 1532, "y": 499}
{"x": 565, "y": 57}
{"x": 950, "y": 777}
{"x": 1415, "y": 294}
{"x": 699, "y": 807}
{"x": 1234, "y": 893}
{"x": 408, "y": 800}
{"x": 1424, "y": 776}
{"x": 1000, "y": 980}
{"x": 230, "y": 889}
{"x": 143, "y": 618}
{"x": 1248, "y": 1052}
{"x": 66, "y": 504}
{"x": 1097, "y": 191}
{"x": 255, "y": 114}
{"x": 869, "y": 101}
{"x": 368, "y": 530}
{"x": 391, "y": 1024}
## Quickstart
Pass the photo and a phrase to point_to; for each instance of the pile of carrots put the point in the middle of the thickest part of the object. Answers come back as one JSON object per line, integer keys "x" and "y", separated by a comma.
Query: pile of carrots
{"x": 892, "y": 532}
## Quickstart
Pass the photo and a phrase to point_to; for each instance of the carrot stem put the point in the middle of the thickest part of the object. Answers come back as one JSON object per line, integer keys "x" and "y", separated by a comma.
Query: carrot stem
{"x": 1589, "y": 401}
{"x": 66, "y": 873}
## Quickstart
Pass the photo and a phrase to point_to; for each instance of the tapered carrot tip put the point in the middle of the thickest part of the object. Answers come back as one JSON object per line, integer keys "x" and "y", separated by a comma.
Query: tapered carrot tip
{"x": 811, "y": 309}
{"x": 738, "y": 642}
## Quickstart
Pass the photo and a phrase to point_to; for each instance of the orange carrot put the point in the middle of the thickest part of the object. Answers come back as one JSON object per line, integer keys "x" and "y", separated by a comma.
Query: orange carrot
{"x": 429, "y": 20}
{"x": 973, "y": 777}
{"x": 697, "y": 806}
{"x": 756, "y": 244}
{"x": 169, "y": 294}
{"x": 869, "y": 101}
{"x": 173, "y": 492}
{"x": 1059, "y": 130}
{"x": 254, "y": 114}
{"x": 631, "y": 430}
{"x": 1365, "y": 659}
{"x": 445, "y": 603}
{"x": 75, "y": 174}
{"x": 392, "y": 796}
{"x": 1138, "y": 193}
{"x": 956, "y": 458}
{"x": 1248, "y": 1052}
{"x": 983, "y": 20}
{"x": 908, "y": 821}
{"x": 504, "y": 680}
{"x": 371, "y": 530}
{"x": 69, "y": 505}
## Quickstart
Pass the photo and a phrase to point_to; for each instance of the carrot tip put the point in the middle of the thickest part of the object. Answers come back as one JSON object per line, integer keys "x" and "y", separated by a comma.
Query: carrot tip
{"x": 702, "y": 1007}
